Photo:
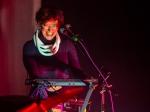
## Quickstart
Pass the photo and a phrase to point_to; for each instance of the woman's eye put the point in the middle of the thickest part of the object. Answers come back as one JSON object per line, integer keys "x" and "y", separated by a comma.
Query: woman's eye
{"x": 54, "y": 25}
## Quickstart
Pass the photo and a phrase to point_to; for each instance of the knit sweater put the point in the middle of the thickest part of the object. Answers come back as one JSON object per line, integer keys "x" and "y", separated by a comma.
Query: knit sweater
{"x": 56, "y": 66}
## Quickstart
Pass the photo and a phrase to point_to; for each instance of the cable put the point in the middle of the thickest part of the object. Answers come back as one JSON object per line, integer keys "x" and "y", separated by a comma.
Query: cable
{"x": 100, "y": 74}
{"x": 48, "y": 83}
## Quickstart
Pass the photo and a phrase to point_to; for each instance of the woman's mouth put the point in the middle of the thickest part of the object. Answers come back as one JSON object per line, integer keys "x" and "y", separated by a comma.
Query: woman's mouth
{"x": 49, "y": 34}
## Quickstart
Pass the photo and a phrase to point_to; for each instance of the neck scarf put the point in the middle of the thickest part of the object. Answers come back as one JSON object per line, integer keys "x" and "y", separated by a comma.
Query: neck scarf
{"x": 46, "y": 50}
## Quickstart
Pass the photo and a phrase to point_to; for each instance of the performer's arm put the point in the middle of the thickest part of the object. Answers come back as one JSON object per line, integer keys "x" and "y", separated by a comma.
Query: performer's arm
{"x": 29, "y": 60}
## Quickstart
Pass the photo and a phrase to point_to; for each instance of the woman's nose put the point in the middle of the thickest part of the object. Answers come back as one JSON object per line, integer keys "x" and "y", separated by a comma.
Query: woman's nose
{"x": 48, "y": 28}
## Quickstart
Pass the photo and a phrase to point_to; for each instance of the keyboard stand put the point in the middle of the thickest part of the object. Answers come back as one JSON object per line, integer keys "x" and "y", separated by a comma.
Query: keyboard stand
{"x": 91, "y": 88}
{"x": 41, "y": 91}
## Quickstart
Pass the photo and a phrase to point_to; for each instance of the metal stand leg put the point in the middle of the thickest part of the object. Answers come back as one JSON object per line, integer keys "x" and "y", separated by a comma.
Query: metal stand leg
{"x": 103, "y": 100}
{"x": 91, "y": 88}
{"x": 41, "y": 91}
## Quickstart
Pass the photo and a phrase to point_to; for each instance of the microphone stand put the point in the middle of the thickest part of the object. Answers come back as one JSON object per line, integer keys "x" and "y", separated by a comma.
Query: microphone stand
{"x": 103, "y": 99}
{"x": 105, "y": 84}
{"x": 104, "y": 88}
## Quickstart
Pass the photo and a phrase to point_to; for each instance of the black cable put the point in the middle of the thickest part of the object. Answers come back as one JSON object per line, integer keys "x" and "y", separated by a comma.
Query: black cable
{"x": 49, "y": 84}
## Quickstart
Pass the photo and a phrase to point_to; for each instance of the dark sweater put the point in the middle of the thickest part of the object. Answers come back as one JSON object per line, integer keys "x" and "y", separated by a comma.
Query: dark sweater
{"x": 55, "y": 66}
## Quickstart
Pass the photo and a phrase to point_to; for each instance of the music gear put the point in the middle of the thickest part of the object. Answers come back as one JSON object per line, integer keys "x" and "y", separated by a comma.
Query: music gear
{"x": 61, "y": 82}
{"x": 52, "y": 102}
{"x": 45, "y": 83}
{"x": 75, "y": 105}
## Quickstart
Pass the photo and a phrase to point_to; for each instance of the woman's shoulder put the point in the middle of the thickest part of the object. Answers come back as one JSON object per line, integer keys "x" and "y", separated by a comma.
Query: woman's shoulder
{"x": 28, "y": 44}
{"x": 29, "y": 47}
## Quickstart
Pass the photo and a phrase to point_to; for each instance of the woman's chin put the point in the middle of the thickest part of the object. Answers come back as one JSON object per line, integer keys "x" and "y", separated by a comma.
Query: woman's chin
{"x": 49, "y": 37}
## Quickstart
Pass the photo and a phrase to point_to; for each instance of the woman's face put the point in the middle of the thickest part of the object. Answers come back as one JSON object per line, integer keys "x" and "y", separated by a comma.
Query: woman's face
{"x": 49, "y": 29}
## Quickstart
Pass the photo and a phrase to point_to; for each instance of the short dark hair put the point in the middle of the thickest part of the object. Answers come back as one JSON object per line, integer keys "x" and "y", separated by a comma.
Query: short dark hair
{"x": 49, "y": 12}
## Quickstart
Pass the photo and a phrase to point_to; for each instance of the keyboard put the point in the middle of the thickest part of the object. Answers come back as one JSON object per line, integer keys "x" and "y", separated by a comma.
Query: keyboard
{"x": 61, "y": 82}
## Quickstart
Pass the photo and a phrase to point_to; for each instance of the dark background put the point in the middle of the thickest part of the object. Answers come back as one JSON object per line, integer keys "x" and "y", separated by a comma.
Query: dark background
{"x": 116, "y": 33}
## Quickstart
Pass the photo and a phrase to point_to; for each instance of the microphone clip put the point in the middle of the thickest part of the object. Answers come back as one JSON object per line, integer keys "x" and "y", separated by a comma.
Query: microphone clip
{"x": 68, "y": 32}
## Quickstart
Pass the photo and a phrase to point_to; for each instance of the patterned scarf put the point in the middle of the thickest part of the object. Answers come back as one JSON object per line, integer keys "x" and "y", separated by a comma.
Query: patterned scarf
{"x": 46, "y": 50}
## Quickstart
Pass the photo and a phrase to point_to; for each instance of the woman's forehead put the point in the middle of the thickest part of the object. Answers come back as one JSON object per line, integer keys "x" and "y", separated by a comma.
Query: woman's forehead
{"x": 52, "y": 20}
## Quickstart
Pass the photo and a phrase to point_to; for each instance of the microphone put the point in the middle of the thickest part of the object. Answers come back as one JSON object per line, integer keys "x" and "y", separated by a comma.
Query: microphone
{"x": 68, "y": 27}
{"x": 68, "y": 32}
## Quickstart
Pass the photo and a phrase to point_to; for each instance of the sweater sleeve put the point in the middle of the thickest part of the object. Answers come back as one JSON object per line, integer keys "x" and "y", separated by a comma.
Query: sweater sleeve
{"x": 29, "y": 60}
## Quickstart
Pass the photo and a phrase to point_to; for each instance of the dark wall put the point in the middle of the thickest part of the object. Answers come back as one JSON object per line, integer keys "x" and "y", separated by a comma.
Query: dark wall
{"x": 116, "y": 34}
